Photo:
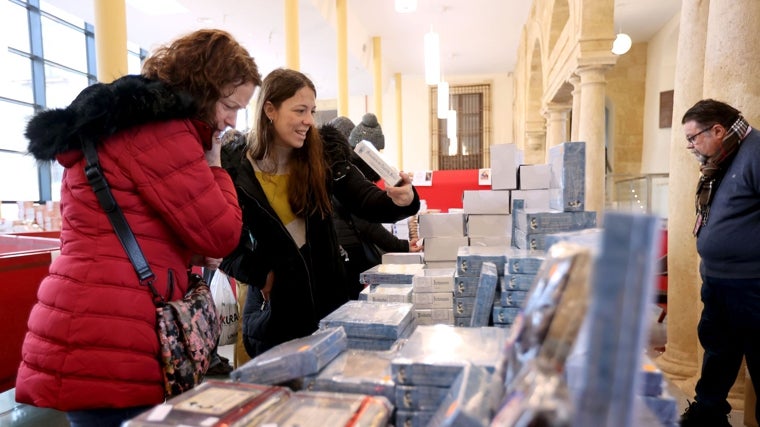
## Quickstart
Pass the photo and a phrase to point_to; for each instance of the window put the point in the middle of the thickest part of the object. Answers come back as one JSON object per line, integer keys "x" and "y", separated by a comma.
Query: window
{"x": 469, "y": 150}
{"x": 47, "y": 56}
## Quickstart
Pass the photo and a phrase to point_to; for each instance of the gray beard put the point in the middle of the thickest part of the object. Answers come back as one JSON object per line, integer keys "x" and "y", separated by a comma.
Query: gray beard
{"x": 701, "y": 158}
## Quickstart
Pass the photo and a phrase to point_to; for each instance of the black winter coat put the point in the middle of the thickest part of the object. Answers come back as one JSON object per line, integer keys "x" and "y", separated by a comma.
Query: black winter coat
{"x": 309, "y": 282}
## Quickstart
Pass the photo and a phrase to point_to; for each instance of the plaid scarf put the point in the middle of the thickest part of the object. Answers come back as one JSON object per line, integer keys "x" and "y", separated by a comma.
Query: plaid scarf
{"x": 712, "y": 170}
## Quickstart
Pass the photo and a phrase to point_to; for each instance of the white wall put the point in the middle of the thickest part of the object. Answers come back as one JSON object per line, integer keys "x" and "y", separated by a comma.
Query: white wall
{"x": 661, "y": 65}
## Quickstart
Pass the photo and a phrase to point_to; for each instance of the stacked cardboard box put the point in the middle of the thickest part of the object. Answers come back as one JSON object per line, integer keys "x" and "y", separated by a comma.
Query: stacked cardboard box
{"x": 443, "y": 234}
{"x": 433, "y": 296}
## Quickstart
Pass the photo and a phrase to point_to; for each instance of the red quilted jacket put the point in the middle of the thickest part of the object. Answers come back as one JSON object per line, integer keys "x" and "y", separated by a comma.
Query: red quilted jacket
{"x": 91, "y": 340}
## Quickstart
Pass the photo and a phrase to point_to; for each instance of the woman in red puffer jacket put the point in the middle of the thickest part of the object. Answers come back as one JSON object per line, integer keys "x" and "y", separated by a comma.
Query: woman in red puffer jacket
{"x": 91, "y": 348}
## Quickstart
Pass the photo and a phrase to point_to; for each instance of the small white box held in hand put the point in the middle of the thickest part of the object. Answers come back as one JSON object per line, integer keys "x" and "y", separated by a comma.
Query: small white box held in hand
{"x": 374, "y": 159}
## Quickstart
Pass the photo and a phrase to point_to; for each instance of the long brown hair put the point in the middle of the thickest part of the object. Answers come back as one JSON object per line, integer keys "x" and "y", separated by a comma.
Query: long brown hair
{"x": 307, "y": 186}
{"x": 203, "y": 63}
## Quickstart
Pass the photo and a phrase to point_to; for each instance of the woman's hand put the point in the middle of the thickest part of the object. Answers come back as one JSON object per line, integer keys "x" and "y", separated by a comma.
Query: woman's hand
{"x": 267, "y": 289}
{"x": 205, "y": 262}
{"x": 402, "y": 195}
{"x": 415, "y": 245}
{"x": 214, "y": 155}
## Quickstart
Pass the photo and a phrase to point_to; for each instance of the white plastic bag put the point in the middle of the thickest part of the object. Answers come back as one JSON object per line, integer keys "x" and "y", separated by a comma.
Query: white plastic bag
{"x": 226, "y": 306}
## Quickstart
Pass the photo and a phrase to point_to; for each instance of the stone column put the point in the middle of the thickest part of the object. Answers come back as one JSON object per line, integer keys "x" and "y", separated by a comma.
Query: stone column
{"x": 535, "y": 143}
{"x": 556, "y": 124}
{"x": 591, "y": 130}
{"x": 341, "y": 30}
{"x": 576, "y": 112}
{"x": 292, "y": 36}
{"x": 680, "y": 361}
{"x": 377, "y": 76}
{"x": 731, "y": 63}
{"x": 110, "y": 39}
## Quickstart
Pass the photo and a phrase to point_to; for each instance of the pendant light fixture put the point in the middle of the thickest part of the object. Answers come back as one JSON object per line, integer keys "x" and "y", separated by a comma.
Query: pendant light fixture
{"x": 622, "y": 44}
{"x": 443, "y": 99}
{"x": 451, "y": 124}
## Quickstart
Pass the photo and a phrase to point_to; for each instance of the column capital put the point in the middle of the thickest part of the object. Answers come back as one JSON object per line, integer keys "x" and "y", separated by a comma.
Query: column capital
{"x": 556, "y": 110}
{"x": 593, "y": 73}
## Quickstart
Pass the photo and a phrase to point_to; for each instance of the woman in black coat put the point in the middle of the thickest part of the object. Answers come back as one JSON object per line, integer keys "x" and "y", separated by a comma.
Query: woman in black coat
{"x": 285, "y": 177}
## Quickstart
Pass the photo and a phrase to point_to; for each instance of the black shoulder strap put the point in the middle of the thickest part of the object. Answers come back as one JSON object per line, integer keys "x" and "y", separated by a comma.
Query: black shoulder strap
{"x": 116, "y": 217}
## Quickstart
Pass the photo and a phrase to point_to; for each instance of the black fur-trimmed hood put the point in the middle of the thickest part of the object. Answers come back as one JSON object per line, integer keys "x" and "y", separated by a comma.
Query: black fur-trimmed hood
{"x": 101, "y": 110}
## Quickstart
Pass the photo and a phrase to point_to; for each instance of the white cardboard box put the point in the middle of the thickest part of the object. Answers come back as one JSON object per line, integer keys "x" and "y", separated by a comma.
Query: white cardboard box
{"x": 423, "y": 300}
{"x": 443, "y": 248}
{"x": 434, "y": 280}
{"x": 486, "y": 202}
{"x": 505, "y": 159}
{"x": 441, "y": 225}
{"x": 440, "y": 264}
{"x": 434, "y": 316}
{"x": 534, "y": 177}
{"x": 490, "y": 240}
{"x": 489, "y": 225}
{"x": 402, "y": 258}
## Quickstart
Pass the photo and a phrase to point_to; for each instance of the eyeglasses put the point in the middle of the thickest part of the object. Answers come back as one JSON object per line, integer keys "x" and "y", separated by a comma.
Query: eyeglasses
{"x": 691, "y": 139}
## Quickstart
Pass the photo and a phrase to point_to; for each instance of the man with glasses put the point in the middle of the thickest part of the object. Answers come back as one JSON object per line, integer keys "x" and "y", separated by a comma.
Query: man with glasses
{"x": 727, "y": 229}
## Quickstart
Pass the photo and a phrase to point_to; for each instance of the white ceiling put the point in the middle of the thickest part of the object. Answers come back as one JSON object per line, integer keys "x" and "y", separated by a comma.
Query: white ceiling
{"x": 477, "y": 36}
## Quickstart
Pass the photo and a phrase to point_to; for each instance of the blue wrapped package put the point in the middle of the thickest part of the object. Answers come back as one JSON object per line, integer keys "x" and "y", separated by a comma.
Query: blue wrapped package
{"x": 484, "y": 298}
{"x": 434, "y": 354}
{"x": 517, "y": 282}
{"x": 567, "y": 185}
{"x": 401, "y": 274}
{"x": 356, "y": 371}
{"x": 293, "y": 359}
{"x": 539, "y": 221}
{"x": 419, "y": 397}
{"x": 383, "y": 320}
{"x": 470, "y": 258}
{"x": 471, "y": 401}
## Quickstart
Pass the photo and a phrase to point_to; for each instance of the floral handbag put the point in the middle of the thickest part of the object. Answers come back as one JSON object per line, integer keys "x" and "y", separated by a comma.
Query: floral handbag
{"x": 187, "y": 329}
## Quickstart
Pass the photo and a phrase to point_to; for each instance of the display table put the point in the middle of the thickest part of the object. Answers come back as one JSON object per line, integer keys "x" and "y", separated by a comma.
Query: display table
{"x": 24, "y": 261}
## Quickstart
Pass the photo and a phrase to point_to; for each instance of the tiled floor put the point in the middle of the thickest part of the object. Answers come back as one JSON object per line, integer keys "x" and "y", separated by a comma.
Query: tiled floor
{"x": 657, "y": 340}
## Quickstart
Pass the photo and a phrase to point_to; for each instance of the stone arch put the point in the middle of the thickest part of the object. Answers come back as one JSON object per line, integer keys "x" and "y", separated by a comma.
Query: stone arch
{"x": 535, "y": 129}
{"x": 560, "y": 17}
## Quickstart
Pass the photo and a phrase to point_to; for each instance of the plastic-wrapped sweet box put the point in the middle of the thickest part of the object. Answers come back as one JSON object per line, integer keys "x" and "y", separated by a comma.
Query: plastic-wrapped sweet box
{"x": 390, "y": 273}
{"x": 470, "y": 259}
{"x": 435, "y": 354}
{"x": 544, "y": 222}
{"x": 356, "y": 371}
{"x": 215, "y": 403}
{"x": 524, "y": 261}
{"x": 308, "y": 408}
{"x": 293, "y": 359}
{"x": 384, "y": 320}
{"x": 471, "y": 401}
{"x": 484, "y": 297}
{"x": 420, "y": 397}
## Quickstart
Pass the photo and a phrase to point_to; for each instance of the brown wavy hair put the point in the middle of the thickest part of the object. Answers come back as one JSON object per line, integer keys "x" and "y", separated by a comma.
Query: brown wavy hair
{"x": 203, "y": 63}
{"x": 307, "y": 186}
